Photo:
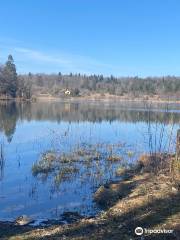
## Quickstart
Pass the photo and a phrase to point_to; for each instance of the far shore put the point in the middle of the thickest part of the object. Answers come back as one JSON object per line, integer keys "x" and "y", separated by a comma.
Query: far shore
{"x": 97, "y": 97}
{"x": 107, "y": 99}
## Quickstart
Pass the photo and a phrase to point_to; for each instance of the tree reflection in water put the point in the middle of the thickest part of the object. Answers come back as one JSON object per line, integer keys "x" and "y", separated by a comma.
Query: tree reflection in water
{"x": 11, "y": 113}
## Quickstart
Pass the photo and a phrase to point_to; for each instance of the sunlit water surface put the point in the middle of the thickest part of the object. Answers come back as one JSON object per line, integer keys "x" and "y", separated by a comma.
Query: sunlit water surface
{"x": 29, "y": 130}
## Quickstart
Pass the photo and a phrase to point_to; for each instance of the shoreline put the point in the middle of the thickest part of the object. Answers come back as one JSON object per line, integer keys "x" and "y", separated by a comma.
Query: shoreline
{"x": 141, "y": 198}
{"x": 92, "y": 98}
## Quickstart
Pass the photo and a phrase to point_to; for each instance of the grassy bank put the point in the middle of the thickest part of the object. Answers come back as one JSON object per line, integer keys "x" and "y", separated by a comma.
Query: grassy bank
{"x": 148, "y": 196}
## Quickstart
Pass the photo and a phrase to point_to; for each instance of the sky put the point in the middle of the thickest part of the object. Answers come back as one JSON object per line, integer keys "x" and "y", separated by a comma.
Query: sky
{"x": 110, "y": 37}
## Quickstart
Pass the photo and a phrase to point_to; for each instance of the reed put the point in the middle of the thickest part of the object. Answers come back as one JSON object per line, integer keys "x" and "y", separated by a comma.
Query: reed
{"x": 2, "y": 163}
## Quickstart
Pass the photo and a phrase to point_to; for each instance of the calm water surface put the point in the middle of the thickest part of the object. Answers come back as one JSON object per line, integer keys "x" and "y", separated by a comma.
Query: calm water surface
{"x": 27, "y": 131}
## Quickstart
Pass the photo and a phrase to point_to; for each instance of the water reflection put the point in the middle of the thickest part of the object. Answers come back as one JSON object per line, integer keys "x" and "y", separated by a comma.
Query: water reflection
{"x": 9, "y": 116}
{"x": 11, "y": 113}
{"x": 54, "y": 155}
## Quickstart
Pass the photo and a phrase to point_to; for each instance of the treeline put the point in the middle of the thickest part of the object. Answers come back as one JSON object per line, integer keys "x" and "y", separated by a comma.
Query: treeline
{"x": 27, "y": 85}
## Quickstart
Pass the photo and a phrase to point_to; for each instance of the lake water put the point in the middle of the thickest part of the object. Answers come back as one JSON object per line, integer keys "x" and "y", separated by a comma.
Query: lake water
{"x": 86, "y": 132}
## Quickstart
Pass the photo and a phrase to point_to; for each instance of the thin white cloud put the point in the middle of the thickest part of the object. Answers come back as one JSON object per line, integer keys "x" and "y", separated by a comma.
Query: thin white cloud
{"x": 68, "y": 62}
{"x": 33, "y": 60}
{"x": 39, "y": 56}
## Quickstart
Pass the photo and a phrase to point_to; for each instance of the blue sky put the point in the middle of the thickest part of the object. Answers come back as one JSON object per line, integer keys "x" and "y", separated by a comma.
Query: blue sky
{"x": 119, "y": 37}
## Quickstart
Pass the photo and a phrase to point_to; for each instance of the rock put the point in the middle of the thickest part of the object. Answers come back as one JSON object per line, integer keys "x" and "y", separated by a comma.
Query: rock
{"x": 23, "y": 220}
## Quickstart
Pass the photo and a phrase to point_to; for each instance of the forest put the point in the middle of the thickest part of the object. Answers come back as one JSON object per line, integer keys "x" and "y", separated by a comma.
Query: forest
{"x": 14, "y": 85}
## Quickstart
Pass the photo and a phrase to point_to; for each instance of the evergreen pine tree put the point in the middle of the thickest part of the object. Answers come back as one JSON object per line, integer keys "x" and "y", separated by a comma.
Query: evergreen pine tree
{"x": 10, "y": 77}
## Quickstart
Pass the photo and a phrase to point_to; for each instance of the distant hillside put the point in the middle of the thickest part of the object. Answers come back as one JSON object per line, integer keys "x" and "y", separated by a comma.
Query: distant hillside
{"x": 26, "y": 86}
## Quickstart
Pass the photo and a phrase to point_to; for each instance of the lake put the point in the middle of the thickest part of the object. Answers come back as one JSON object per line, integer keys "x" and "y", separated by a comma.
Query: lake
{"x": 54, "y": 155}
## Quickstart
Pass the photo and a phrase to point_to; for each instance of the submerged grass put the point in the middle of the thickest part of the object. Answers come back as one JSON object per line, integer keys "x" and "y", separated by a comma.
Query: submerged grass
{"x": 45, "y": 164}
{"x": 143, "y": 197}
{"x": 95, "y": 159}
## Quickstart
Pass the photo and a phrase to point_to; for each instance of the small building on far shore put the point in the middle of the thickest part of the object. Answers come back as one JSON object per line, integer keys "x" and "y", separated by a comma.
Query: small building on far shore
{"x": 67, "y": 92}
